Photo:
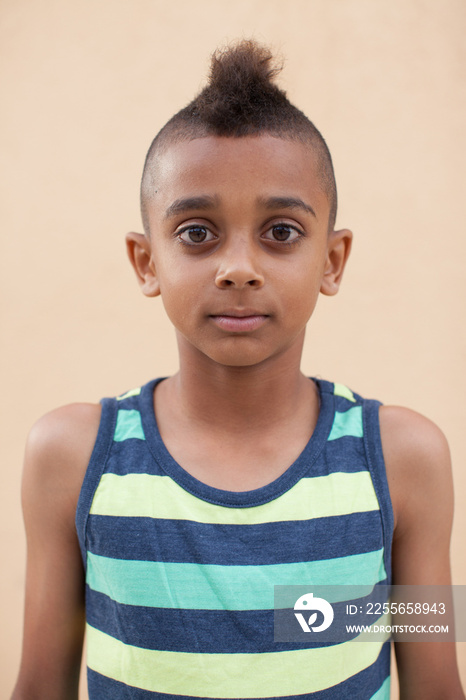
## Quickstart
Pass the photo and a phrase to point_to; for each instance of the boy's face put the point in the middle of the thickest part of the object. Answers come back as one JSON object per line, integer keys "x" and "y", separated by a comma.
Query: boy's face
{"x": 239, "y": 247}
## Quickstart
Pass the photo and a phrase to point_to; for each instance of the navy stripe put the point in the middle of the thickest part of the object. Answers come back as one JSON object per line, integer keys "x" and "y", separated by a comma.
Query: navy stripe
{"x": 362, "y": 686}
{"x": 202, "y": 631}
{"x": 132, "y": 460}
{"x": 150, "y": 539}
{"x": 345, "y": 454}
{"x": 206, "y": 631}
{"x": 129, "y": 403}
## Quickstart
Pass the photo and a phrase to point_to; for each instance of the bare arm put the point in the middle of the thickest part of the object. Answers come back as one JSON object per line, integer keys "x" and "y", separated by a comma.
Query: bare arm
{"x": 57, "y": 453}
{"x": 419, "y": 474}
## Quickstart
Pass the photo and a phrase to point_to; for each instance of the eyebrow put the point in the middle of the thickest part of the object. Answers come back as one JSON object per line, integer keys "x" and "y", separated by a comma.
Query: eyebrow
{"x": 287, "y": 203}
{"x": 186, "y": 204}
{"x": 181, "y": 206}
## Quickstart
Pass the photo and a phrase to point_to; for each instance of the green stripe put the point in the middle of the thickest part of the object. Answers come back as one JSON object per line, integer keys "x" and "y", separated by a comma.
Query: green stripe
{"x": 348, "y": 423}
{"x": 383, "y": 692}
{"x": 146, "y": 495}
{"x": 228, "y": 675}
{"x": 216, "y": 587}
{"x": 128, "y": 425}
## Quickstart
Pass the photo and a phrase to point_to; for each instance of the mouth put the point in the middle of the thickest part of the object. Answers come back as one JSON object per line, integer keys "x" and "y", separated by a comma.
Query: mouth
{"x": 239, "y": 321}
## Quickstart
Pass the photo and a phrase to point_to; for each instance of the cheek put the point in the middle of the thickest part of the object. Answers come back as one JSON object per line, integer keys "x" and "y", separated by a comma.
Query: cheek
{"x": 301, "y": 301}
{"x": 181, "y": 293}
{"x": 303, "y": 287}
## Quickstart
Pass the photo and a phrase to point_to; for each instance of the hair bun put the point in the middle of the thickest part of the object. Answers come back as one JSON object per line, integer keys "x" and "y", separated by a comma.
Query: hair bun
{"x": 240, "y": 87}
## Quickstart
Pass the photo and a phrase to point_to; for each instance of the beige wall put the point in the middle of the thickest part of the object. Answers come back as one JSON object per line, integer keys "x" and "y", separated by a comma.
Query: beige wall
{"x": 87, "y": 84}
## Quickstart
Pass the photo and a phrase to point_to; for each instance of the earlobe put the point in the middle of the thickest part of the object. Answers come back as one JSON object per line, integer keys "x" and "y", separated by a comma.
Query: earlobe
{"x": 338, "y": 250}
{"x": 140, "y": 256}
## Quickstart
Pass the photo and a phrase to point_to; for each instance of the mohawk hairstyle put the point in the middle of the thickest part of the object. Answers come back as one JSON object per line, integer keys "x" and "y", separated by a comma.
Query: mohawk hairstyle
{"x": 240, "y": 99}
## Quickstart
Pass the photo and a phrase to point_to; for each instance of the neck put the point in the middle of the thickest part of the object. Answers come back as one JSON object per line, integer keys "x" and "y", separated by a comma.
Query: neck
{"x": 240, "y": 398}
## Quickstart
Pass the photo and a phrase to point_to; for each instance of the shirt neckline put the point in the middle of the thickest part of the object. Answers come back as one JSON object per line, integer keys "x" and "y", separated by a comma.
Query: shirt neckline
{"x": 236, "y": 499}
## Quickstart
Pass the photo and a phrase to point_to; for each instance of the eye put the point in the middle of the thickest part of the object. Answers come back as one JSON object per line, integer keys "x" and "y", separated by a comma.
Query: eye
{"x": 195, "y": 234}
{"x": 282, "y": 233}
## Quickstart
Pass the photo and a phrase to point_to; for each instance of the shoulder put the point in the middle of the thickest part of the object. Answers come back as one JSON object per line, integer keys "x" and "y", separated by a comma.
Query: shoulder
{"x": 418, "y": 465}
{"x": 410, "y": 432}
{"x": 65, "y": 427}
{"x": 58, "y": 450}
{"x": 67, "y": 433}
{"x": 413, "y": 444}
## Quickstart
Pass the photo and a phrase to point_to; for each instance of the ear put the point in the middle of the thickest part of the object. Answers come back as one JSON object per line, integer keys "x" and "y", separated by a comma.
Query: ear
{"x": 338, "y": 250}
{"x": 140, "y": 255}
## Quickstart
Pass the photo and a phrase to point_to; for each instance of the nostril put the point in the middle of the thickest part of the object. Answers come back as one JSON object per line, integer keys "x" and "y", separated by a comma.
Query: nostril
{"x": 238, "y": 279}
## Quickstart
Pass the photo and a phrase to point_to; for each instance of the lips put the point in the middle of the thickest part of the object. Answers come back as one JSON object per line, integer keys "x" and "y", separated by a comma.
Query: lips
{"x": 242, "y": 321}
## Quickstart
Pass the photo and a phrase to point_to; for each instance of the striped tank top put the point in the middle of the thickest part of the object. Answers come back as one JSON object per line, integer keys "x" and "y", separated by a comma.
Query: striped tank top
{"x": 180, "y": 576}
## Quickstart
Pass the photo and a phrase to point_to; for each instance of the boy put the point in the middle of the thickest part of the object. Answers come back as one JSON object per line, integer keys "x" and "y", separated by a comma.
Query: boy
{"x": 196, "y": 494}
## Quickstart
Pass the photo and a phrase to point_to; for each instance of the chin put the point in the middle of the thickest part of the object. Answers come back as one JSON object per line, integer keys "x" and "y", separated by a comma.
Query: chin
{"x": 241, "y": 360}
{"x": 238, "y": 362}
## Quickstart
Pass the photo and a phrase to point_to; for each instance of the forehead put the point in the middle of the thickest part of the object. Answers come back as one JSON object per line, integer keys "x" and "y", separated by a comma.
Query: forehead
{"x": 251, "y": 168}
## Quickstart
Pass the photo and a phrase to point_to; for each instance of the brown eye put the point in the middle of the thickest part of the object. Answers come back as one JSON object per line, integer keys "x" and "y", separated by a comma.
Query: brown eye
{"x": 282, "y": 233}
{"x": 196, "y": 234}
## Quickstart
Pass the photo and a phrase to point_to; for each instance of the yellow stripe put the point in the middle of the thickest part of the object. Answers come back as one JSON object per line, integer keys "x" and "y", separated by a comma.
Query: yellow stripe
{"x": 228, "y": 675}
{"x": 145, "y": 495}
{"x": 342, "y": 390}
{"x": 131, "y": 392}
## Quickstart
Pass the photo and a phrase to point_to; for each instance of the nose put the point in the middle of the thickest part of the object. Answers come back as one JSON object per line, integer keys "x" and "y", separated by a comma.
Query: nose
{"x": 239, "y": 267}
